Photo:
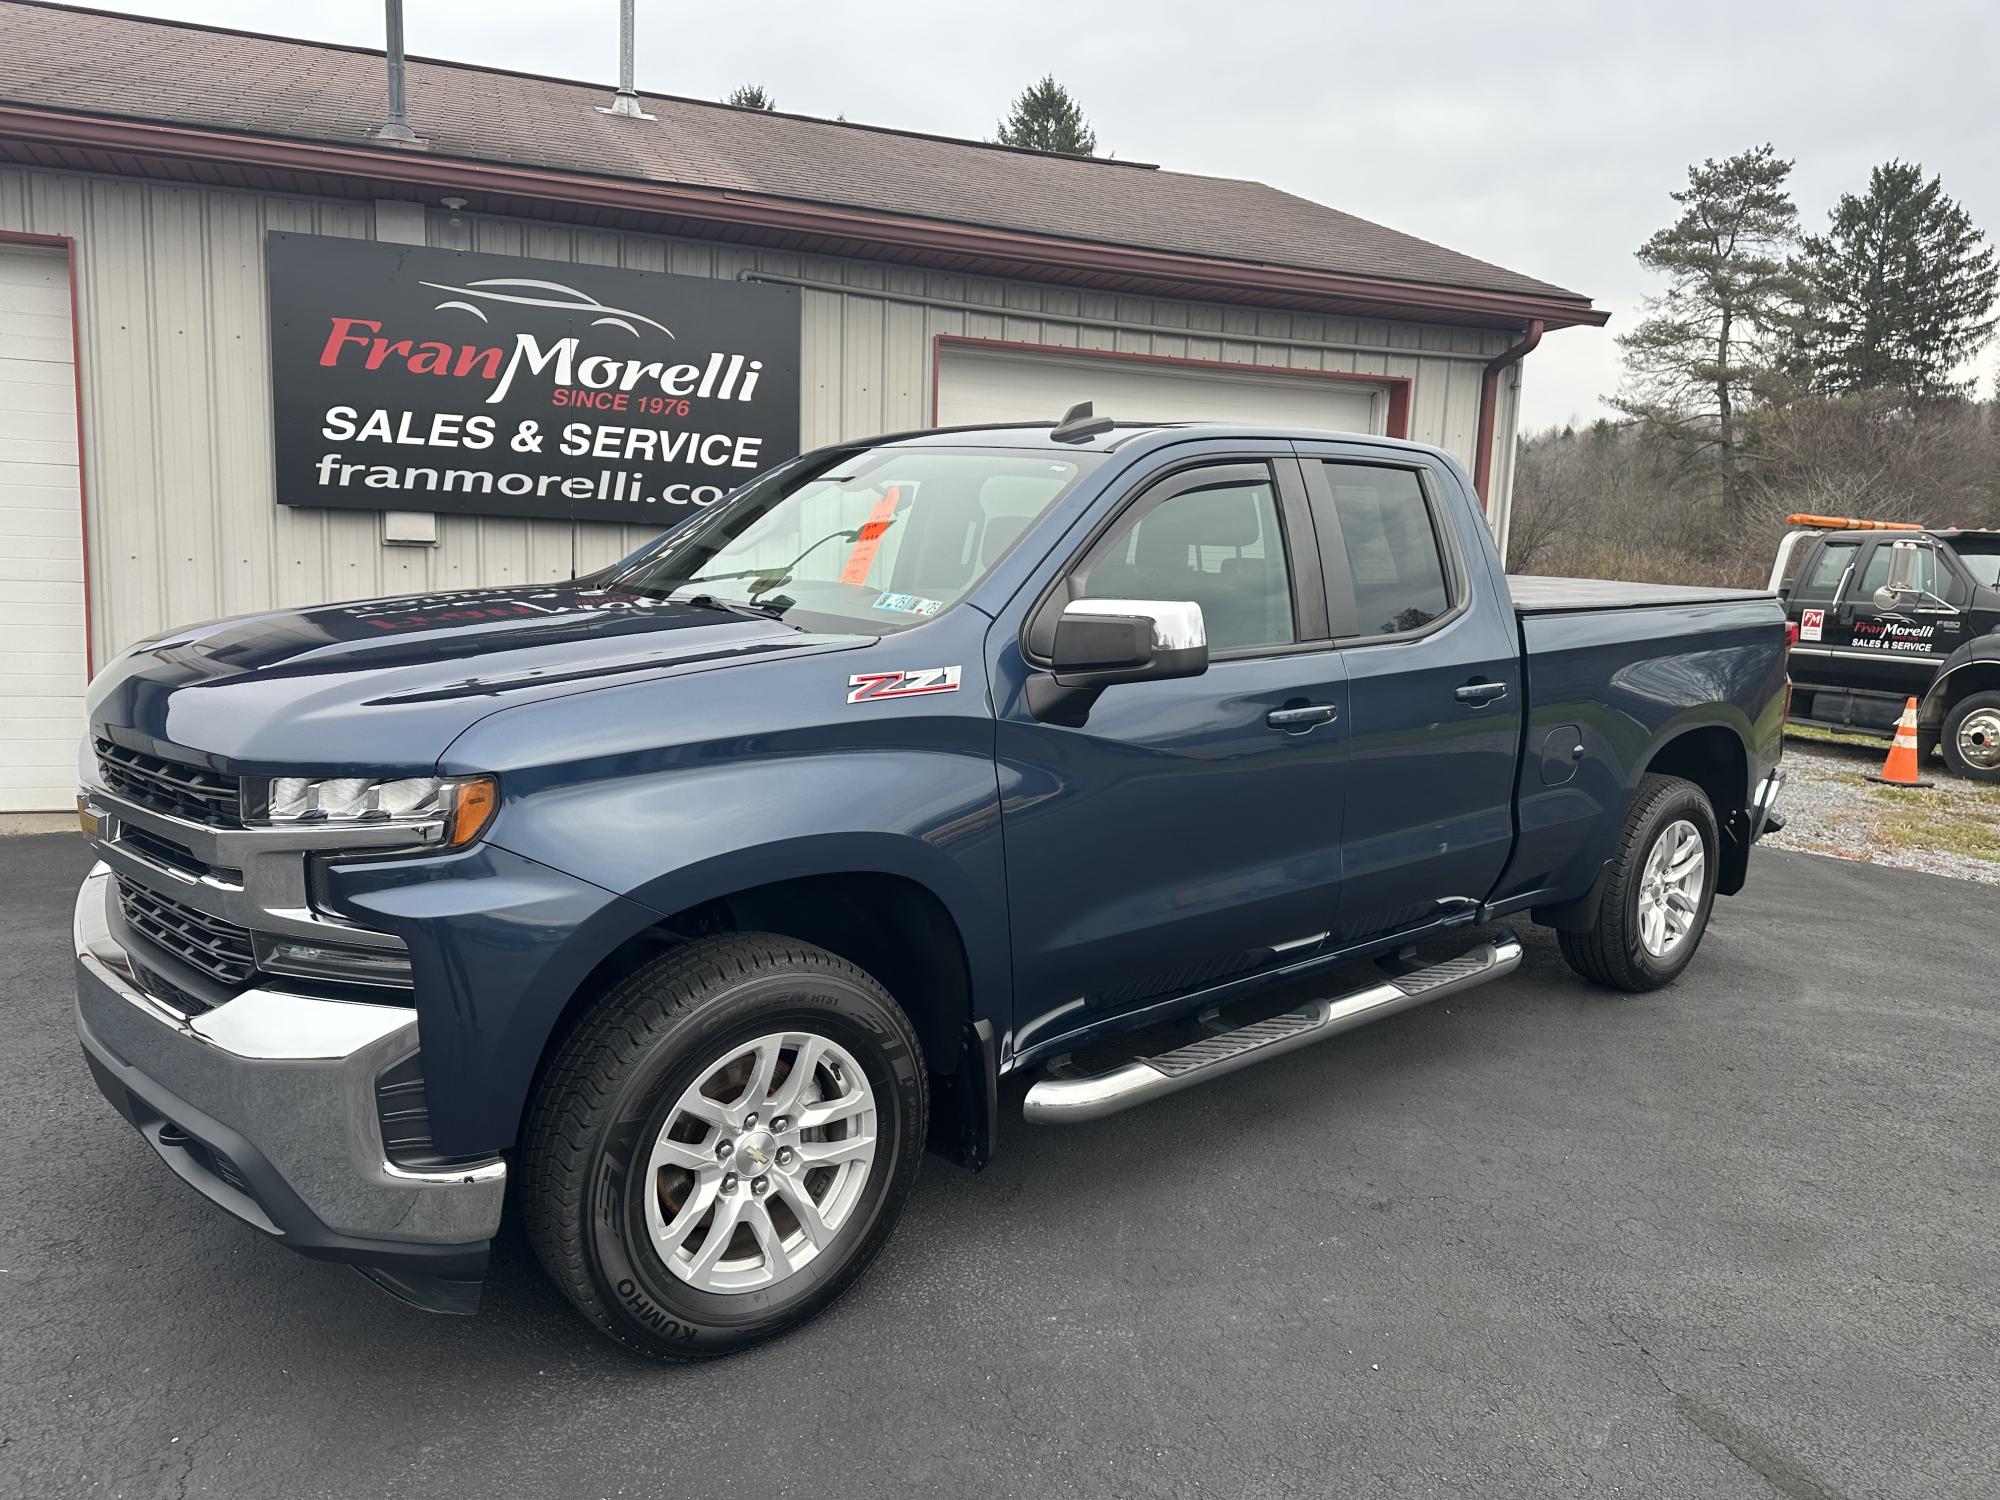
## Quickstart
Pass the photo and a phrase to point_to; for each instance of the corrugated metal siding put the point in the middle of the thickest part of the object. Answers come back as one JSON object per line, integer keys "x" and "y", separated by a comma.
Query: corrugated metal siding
{"x": 177, "y": 386}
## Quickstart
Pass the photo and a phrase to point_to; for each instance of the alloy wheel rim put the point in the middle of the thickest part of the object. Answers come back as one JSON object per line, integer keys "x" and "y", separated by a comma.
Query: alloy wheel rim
{"x": 761, "y": 1162}
{"x": 1670, "y": 888}
{"x": 1979, "y": 739}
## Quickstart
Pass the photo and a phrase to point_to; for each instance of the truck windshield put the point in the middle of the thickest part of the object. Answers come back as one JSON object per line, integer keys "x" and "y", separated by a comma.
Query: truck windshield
{"x": 879, "y": 539}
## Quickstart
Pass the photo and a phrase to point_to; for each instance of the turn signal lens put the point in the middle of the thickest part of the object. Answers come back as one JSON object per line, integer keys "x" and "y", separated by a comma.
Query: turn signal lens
{"x": 477, "y": 800}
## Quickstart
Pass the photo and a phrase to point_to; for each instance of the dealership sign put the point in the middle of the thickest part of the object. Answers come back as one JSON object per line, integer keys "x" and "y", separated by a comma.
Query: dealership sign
{"x": 442, "y": 380}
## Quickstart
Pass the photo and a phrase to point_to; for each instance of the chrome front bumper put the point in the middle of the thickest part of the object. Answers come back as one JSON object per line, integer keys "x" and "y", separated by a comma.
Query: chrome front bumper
{"x": 266, "y": 1104}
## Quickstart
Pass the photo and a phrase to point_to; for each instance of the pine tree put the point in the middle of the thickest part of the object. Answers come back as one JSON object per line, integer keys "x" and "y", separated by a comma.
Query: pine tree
{"x": 1898, "y": 294}
{"x": 1706, "y": 349}
{"x": 750, "y": 96}
{"x": 1045, "y": 118}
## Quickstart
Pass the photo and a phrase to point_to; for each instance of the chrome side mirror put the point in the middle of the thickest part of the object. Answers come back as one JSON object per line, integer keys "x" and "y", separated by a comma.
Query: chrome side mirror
{"x": 1102, "y": 642}
{"x": 1132, "y": 638}
{"x": 1906, "y": 568}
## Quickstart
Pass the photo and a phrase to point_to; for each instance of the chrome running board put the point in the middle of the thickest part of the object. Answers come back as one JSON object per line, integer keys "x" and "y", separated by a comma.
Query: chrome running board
{"x": 1061, "y": 1100}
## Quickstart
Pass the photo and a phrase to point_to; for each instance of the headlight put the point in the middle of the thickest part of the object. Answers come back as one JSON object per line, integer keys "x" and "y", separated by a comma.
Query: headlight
{"x": 463, "y": 804}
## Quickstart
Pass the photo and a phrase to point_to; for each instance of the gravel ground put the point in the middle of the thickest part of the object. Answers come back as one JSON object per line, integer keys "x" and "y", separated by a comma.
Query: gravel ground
{"x": 1951, "y": 828}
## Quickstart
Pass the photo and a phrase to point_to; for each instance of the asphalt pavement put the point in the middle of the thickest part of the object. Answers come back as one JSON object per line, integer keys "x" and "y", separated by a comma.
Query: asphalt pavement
{"x": 1739, "y": 1238}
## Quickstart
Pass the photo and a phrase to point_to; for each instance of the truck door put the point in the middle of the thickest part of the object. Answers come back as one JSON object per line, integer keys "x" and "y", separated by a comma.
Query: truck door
{"x": 1826, "y": 580}
{"x": 1898, "y": 649}
{"x": 1434, "y": 692}
{"x": 1188, "y": 830}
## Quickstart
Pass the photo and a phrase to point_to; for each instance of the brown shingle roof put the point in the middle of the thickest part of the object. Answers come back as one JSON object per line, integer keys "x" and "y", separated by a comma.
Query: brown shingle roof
{"x": 97, "y": 63}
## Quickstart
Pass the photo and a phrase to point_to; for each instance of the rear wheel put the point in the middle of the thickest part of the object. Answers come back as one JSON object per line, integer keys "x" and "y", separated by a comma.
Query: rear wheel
{"x": 1656, "y": 900}
{"x": 724, "y": 1144}
{"x": 1970, "y": 737}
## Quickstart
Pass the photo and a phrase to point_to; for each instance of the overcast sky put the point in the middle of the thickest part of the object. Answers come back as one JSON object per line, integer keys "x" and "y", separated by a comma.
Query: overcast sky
{"x": 1541, "y": 137}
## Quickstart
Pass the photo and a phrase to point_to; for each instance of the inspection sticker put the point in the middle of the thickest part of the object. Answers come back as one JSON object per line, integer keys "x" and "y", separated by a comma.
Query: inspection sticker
{"x": 908, "y": 604}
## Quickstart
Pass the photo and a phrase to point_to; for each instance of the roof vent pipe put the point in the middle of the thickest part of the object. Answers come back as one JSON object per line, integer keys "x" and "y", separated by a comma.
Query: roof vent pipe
{"x": 397, "y": 126}
{"x": 626, "y": 101}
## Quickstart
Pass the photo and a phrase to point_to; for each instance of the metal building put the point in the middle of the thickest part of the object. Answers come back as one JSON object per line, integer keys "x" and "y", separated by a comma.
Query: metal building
{"x": 149, "y": 170}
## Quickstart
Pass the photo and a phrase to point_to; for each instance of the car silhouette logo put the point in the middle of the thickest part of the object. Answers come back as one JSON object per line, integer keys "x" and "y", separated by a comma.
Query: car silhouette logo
{"x": 522, "y": 291}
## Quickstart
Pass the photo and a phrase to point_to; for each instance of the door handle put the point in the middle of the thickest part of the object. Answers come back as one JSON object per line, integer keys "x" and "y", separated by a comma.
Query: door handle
{"x": 1302, "y": 717}
{"x": 1478, "y": 694}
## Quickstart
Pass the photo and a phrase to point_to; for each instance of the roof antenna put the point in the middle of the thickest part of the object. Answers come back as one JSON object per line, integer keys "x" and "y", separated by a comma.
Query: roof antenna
{"x": 397, "y": 126}
{"x": 626, "y": 101}
{"x": 1078, "y": 424}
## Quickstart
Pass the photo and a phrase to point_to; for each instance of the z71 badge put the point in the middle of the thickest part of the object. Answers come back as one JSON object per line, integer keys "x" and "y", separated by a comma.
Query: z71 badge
{"x": 866, "y": 687}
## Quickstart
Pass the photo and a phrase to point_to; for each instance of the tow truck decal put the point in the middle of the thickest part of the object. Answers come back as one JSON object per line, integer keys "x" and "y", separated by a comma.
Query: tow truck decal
{"x": 1892, "y": 635}
{"x": 866, "y": 687}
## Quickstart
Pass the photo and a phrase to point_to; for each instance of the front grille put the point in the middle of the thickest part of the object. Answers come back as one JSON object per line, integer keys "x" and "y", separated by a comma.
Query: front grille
{"x": 172, "y": 786}
{"x": 161, "y": 988}
{"x": 160, "y": 851}
{"x": 216, "y": 948}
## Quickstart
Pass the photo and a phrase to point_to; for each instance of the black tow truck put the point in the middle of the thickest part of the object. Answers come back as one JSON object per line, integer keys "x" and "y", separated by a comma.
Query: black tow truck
{"x": 1886, "y": 611}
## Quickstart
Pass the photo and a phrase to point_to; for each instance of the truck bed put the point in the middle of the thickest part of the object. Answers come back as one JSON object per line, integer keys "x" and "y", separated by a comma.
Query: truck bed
{"x": 1535, "y": 595}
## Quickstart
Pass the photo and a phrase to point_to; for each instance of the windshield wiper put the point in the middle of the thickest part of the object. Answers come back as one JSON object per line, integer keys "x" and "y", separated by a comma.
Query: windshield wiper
{"x": 775, "y": 610}
{"x": 782, "y": 575}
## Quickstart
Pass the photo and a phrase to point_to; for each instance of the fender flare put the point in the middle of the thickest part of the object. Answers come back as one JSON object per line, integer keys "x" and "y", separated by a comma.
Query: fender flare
{"x": 1982, "y": 652}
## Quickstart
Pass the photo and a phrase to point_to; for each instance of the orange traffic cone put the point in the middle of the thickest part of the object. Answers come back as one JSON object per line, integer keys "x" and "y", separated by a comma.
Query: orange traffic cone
{"x": 1900, "y": 769}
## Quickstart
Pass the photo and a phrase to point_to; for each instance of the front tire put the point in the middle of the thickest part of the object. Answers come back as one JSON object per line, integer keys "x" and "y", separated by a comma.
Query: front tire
{"x": 724, "y": 1144}
{"x": 1657, "y": 898}
{"x": 1970, "y": 737}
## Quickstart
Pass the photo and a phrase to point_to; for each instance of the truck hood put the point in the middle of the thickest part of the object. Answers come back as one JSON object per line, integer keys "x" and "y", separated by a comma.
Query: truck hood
{"x": 389, "y": 683}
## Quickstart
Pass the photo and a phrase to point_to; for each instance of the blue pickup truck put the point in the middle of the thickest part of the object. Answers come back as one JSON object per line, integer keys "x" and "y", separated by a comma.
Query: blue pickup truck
{"x": 696, "y": 899}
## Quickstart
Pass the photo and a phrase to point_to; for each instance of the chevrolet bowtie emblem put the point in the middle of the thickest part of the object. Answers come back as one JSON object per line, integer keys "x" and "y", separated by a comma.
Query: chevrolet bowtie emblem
{"x": 754, "y": 1152}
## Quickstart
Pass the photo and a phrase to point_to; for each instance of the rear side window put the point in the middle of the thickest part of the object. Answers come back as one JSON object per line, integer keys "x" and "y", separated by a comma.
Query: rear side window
{"x": 1827, "y": 570}
{"x": 1392, "y": 548}
{"x": 1981, "y": 558}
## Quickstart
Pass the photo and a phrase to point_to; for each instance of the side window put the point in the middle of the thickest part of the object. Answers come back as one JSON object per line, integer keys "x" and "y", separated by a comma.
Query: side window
{"x": 1217, "y": 544}
{"x": 1931, "y": 578}
{"x": 1833, "y": 561}
{"x": 1385, "y": 526}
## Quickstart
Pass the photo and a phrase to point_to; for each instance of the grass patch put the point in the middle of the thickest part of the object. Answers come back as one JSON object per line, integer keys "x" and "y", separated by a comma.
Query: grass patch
{"x": 1814, "y": 734}
{"x": 1968, "y": 832}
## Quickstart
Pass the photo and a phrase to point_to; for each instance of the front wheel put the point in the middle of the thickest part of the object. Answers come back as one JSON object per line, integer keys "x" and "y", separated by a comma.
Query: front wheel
{"x": 1970, "y": 737}
{"x": 1657, "y": 898}
{"x": 723, "y": 1144}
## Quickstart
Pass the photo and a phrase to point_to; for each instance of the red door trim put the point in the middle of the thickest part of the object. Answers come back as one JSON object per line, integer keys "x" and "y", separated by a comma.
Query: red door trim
{"x": 67, "y": 244}
{"x": 1398, "y": 387}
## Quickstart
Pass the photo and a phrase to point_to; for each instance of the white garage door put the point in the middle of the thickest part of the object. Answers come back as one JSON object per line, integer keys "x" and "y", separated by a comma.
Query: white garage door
{"x": 42, "y": 661}
{"x": 982, "y": 384}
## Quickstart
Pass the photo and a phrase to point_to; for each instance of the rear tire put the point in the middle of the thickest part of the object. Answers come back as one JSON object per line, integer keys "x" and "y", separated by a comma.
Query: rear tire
{"x": 1657, "y": 897}
{"x": 1970, "y": 737}
{"x": 724, "y": 1144}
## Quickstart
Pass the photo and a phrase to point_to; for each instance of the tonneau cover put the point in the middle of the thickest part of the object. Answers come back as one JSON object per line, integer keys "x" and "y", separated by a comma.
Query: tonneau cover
{"x": 1546, "y": 596}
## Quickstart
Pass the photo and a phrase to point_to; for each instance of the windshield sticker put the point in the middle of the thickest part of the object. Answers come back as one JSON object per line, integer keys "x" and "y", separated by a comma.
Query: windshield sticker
{"x": 868, "y": 540}
{"x": 908, "y": 604}
{"x": 866, "y": 687}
